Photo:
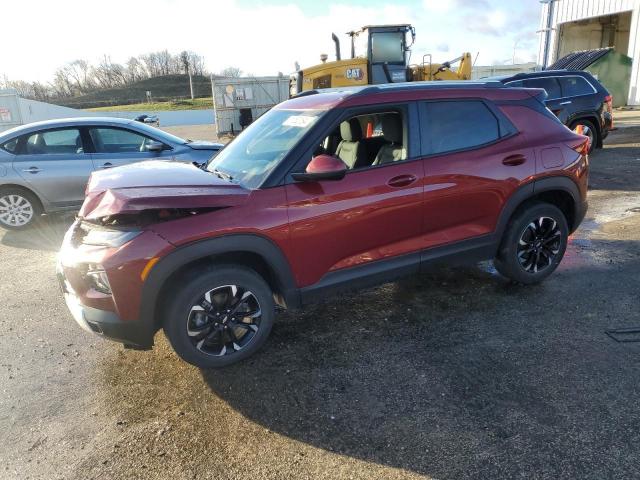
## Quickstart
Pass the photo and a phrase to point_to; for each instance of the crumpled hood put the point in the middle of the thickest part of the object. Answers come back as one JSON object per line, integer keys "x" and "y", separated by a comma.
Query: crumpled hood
{"x": 204, "y": 145}
{"x": 157, "y": 185}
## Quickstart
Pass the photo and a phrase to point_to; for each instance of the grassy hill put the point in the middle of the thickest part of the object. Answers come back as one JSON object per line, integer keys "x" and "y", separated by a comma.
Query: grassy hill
{"x": 186, "y": 104}
{"x": 163, "y": 89}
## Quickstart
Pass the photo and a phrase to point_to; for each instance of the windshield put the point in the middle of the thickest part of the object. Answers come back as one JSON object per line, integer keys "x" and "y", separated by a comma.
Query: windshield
{"x": 387, "y": 47}
{"x": 250, "y": 158}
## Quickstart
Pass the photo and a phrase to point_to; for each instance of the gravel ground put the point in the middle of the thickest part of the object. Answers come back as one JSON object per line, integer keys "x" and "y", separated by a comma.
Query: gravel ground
{"x": 454, "y": 374}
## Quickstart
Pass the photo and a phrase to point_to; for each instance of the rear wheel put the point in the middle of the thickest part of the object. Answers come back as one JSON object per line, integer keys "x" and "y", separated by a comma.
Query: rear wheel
{"x": 19, "y": 209}
{"x": 220, "y": 317}
{"x": 533, "y": 244}
{"x": 588, "y": 129}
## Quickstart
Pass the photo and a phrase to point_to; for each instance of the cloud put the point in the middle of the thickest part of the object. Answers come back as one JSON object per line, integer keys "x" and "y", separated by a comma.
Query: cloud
{"x": 261, "y": 39}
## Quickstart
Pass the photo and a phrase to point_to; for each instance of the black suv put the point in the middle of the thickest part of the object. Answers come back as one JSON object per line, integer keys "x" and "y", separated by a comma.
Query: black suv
{"x": 575, "y": 97}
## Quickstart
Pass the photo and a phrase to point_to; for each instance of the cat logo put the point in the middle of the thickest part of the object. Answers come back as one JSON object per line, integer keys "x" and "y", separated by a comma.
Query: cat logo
{"x": 354, "y": 74}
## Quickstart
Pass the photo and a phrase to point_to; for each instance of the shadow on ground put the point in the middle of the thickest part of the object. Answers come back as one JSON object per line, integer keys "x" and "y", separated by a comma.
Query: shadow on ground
{"x": 459, "y": 374}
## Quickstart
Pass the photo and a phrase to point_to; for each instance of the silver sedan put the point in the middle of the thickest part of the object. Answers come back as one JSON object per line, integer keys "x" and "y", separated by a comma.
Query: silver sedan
{"x": 44, "y": 166}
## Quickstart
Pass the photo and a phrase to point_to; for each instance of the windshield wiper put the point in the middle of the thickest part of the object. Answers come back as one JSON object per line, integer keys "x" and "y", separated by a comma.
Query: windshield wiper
{"x": 223, "y": 175}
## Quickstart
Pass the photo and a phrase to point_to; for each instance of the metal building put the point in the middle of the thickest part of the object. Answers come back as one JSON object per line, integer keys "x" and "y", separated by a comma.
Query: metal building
{"x": 239, "y": 101}
{"x": 573, "y": 25}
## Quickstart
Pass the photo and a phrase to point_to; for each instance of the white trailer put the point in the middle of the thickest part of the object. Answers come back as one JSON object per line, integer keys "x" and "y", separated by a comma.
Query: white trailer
{"x": 239, "y": 101}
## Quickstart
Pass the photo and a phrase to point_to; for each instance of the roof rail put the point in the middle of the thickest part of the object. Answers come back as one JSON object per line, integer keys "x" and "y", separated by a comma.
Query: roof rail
{"x": 305, "y": 93}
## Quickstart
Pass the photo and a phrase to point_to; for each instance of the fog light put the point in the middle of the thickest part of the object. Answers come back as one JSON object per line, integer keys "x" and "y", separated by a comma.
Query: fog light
{"x": 97, "y": 278}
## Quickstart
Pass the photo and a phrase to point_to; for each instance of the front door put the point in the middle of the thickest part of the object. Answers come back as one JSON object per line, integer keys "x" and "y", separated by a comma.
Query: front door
{"x": 373, "y": 216}
{"x": 55, "y": 165}
{"x": 114, "y": 147}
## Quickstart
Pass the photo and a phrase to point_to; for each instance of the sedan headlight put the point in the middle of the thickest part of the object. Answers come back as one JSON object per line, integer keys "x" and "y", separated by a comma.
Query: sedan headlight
{"x": 109, "y": 238}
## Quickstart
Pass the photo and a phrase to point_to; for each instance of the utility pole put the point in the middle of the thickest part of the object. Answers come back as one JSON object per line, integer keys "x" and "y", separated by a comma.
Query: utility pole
{"x": 184, "y": 56}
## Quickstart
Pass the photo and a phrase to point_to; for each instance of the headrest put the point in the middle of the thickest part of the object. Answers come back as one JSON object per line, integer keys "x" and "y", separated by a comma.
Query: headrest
{"x": 392, "y": 128}
{"x": 351, "y": 131}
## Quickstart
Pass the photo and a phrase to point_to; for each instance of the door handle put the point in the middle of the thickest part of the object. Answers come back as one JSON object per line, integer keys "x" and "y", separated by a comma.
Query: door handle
{"x": 565, "y": 103}
{"x": 514, "y": 160}
{"x": 402, "y": 180}
{"x": 31, "y": 170}
{"x": 107, "y": 165}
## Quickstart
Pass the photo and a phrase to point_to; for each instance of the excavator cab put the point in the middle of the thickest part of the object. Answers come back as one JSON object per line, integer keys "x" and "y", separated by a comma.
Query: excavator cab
{"x": 379, "y": 54}
{"x": 387, "y": 51}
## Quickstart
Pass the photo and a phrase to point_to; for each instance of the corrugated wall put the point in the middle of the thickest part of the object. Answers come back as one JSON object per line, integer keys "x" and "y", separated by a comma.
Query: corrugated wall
{"x": 573, "y": 10}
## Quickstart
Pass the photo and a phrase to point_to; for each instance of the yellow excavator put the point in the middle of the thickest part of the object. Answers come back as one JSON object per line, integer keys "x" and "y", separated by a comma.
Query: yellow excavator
{"x": 379, "y": 54}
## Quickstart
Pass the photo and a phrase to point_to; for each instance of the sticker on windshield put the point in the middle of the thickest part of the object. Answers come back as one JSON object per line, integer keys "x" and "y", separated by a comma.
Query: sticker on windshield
{"x": 300, "y": 121}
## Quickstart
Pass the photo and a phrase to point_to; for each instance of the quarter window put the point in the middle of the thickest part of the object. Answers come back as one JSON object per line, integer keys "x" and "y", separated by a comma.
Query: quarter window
{"x": 10, "y": 146}
{"x": 457, "y": 125}
{"x": 575, "y": 86}
{"x": 118, "y": 140}
{"x": 51, "y": 142}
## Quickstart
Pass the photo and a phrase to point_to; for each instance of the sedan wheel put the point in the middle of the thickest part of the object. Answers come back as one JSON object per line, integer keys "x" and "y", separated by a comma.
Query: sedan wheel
{"x": 16, "y": 211}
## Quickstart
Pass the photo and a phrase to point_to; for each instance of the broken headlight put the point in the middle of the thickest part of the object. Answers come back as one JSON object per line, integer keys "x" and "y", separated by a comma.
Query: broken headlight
{"x": 109, "y": 238}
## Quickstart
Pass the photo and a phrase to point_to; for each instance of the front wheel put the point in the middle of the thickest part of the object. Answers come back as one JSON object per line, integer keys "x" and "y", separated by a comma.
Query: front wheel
{"x": 18, "y": 209}
{"x": 220, "y": 317}
{"x": 533, "y": 244}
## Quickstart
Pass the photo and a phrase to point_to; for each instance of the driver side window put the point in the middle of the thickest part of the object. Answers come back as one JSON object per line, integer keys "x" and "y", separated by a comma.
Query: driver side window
{"x": 118, "y": 140}
{"x": 368, "y": 140}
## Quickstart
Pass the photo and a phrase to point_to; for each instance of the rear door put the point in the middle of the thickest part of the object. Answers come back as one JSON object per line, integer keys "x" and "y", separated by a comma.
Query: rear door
{"x": 116, "y": 146}
{"x": 556, "y": 101}
{"x": 473, "y": 161}
{"x": 55, "y": 165}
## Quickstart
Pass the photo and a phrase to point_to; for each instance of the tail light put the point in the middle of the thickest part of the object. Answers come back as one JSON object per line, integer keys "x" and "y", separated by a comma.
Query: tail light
{"x": 609, "y": 101}
{"x": 581, "y": 145}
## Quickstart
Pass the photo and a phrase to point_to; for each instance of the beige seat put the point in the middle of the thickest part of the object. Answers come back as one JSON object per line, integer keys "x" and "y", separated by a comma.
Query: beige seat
{"x": 351, "y": 150}
{"x": 392, "y": 132}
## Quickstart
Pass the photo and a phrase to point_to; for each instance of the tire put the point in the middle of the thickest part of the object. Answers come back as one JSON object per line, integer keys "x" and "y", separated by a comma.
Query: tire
{"x": 533, "y": 243}
{"x": 197, "y": 323}
{"x": 19, "y": 209}
{"x": 589, "y": 130}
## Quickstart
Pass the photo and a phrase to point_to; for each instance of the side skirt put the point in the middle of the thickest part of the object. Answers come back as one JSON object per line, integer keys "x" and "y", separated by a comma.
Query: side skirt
{"x": 383, "y": 271}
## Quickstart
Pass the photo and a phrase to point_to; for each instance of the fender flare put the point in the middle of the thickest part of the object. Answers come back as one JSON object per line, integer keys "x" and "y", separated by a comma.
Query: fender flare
{"x": 234, "y": 243}
{"x": 531, "y": 189}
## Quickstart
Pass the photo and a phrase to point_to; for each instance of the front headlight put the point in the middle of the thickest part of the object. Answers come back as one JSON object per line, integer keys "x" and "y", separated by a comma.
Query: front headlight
{"x": 109, "y": 238}
{"x": 97, "y": 278}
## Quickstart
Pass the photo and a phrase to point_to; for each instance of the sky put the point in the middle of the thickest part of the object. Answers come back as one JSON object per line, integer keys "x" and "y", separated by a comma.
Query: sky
{"x": 260, "y": 37}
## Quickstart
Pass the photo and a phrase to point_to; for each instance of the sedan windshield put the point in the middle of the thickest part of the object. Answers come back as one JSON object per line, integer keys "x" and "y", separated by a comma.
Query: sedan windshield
{"x": 250, "y": 158}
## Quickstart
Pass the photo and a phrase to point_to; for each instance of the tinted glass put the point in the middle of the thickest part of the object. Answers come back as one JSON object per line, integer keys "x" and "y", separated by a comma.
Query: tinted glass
{"x": 550, "y": 84}
{"x": 63, "y": 141}
{"x": 10, "y": 146}
{"x": 116, "y": 140}
{"x": 516, "y": 84}
{"x": 457, "y": 125}
{"x": 574, "y": 86}
{"x": 387, "y": 47}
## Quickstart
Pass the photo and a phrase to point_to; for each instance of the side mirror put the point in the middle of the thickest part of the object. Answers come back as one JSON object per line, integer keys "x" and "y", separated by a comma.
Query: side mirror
{"x": 154, "y": 146}
{"x": 322, "y": 167}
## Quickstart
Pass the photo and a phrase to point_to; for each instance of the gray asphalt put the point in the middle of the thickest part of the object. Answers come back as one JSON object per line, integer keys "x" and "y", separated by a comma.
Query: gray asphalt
{"x": 454, "y": 374}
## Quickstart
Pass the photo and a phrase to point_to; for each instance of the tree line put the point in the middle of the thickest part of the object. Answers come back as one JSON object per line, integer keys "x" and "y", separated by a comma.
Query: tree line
{"x": 81, "y": 77}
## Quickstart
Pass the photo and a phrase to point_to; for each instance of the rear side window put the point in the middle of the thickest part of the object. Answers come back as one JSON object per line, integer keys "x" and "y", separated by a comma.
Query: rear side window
{"x": 11, "y": 146}
{"x": 448, "y": 126}
{"x": 51, "y": 142}
{"x": 550, "y": 84}
{"x": 574, "y": 86}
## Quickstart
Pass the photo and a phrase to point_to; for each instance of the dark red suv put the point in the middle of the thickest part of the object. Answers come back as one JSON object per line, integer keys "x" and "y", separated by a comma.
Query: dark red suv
{"x": 327, "y": 191}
